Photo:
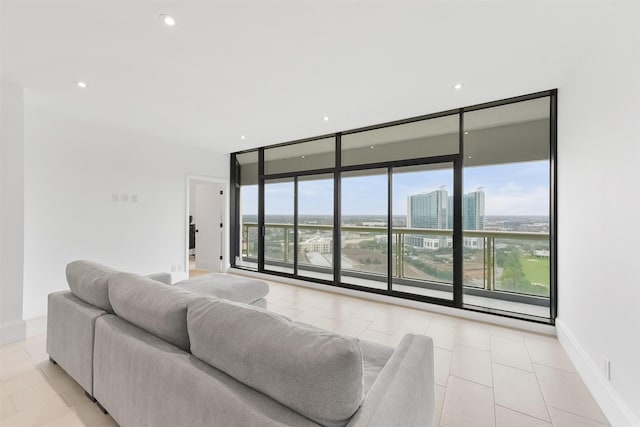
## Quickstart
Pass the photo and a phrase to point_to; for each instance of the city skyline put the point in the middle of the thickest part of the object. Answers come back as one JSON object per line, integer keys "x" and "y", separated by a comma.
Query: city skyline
{"x": 510, "y": 189}
{"x": 434, "y": 210}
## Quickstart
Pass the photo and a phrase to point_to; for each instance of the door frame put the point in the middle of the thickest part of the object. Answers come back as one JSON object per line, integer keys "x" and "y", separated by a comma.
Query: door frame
{"x": 225, "y": 218}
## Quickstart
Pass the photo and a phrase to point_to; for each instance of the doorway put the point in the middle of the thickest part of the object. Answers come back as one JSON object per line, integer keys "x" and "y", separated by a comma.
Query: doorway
{"x": 206, "y": 226}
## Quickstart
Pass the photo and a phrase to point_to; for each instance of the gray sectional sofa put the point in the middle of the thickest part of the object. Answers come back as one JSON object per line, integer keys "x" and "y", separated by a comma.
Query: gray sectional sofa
{"x": 164, "y": 355}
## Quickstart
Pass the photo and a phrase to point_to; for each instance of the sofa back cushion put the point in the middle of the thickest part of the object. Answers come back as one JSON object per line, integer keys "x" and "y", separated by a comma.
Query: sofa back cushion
{"x": 89, "y": 282}
{"x": 315, "y": 372}
{"x": 153, "y": 306}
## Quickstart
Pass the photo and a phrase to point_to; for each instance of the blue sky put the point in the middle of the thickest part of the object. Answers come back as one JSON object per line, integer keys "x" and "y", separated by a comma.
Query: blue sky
{"x": 510, "y": 189}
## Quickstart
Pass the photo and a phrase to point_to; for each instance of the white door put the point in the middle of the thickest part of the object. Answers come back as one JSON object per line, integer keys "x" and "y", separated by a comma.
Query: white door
{"x": 209, "y": 221}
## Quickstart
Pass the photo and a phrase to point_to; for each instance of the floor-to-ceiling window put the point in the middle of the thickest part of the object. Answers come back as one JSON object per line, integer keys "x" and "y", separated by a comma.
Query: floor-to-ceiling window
{"x": 506, "y": 207}
{"x": 315, "y": 226}
{"x": 396, "y": 233}
{"x": 279, "y": 207}
{"x": 244, "y": 242}
{"x": 423, "y": 230}
{"x": 452, "y": 208}
{"x": 364, "y": 228}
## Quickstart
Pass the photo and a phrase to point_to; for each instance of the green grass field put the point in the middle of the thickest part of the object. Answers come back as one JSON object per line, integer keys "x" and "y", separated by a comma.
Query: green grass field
{"x": 536, "y": 269}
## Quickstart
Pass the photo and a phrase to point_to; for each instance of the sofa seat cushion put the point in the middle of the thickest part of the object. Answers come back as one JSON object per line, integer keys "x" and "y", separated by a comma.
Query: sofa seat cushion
{"x": 227, "y": 286}
{"x": 145, "y": 381}
{"x": 153, "y": 306}
{"x": 315, "y": 372}
{"x": 89, "y": 281}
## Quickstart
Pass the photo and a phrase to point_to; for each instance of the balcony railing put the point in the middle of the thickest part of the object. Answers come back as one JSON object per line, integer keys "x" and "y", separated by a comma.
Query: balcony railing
{"x": 496, "y": 262}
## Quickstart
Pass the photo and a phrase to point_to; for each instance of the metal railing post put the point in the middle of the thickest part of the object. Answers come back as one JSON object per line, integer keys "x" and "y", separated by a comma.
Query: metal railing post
{"x": 286, "y": 243}
{"x": 401, "y": 243}
{"x": 490, "y": 263}
{"x": 245, "y": 240}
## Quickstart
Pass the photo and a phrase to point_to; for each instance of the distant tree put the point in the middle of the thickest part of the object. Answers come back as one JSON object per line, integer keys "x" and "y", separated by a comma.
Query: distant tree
{"x": 501, "y": 256}
{"x": 514, "y": 279}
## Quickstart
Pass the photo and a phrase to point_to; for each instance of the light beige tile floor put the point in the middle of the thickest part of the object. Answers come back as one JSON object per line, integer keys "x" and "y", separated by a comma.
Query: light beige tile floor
{"x": 35, "y": 392}
{"x": 485, "y": 375}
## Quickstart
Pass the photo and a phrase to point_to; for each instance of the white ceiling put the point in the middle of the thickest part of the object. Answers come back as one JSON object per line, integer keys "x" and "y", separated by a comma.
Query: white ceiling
{"x": 273, "y": 70}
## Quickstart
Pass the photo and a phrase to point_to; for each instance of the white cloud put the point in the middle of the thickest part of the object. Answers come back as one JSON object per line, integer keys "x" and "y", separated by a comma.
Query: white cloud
{"x": 535, "y": 201}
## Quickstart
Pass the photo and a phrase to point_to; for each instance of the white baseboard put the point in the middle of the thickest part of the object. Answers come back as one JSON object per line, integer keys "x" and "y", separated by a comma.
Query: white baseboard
{"x": 13, "y": 331}
{"x": 36, "y": 326}
{"x": 616, "y": 410}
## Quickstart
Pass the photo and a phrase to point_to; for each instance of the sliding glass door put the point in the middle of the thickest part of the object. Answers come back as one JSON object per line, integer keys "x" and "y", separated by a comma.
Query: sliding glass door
{"x": 454, "y": 208}
{"x": 422, "y": 233}
{"x": 246, "y": 209}
{"x": 363, "y": 228}
{"x": 315, "y": 226}
{"x": 278, "y": 225}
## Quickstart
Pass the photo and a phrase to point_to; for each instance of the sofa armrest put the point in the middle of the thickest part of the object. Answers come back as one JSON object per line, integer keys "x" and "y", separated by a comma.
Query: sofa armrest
{"x": 160, "y": 277}
{"x": 70, "y": 332}
{"x": 403, "y": 394}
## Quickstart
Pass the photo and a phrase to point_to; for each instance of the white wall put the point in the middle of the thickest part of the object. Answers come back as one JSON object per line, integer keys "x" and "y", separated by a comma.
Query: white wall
{"x": 73, "y": 169}
{"x": 598, "y": 187}
{"x": 192, "y": 199}
{"x": 12, "y": 327}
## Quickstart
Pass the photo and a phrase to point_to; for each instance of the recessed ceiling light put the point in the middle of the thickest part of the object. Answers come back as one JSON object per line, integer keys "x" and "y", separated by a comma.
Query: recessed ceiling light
{"x": 466, "y": 133}
{"x": 242, "y": 137}
{"x": 80, "y": 84}
{"x": 457, "y": 86}
{"x": 326, "y": 118}
{"x": 371, "y": 146}
{"x": 468, "y": 157}
{"x": 168, "y": 20}
{"x": 303, "y": 157}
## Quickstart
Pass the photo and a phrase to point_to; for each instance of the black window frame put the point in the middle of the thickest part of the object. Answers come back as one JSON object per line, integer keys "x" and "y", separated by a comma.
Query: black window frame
{"x": 458, "y": 169}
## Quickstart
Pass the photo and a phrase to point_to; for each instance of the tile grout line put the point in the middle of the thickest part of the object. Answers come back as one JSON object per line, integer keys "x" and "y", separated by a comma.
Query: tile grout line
{"x": 41, "y": 402}
{"x": 474, "y": 382}
{"x": 476, "y": 348}
{"x": 526, "y": 415}
{"x": 13, "y": 404}
{"x": 515, "y": 367}
{"x": 444, "y": 398}
{"x": 547, "y": 365}
{"x": 578, "y": 415}
{"x": 554, "y": 367}
{"x": 493, "y": 381}
{"x": 546, "y": 405}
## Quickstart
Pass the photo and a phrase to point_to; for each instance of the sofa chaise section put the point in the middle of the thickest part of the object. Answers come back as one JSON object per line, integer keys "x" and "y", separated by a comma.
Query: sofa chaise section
{"x": 72, "y": 314}
{"x": 246, "y": 366}
{"x": 227, "y": 286}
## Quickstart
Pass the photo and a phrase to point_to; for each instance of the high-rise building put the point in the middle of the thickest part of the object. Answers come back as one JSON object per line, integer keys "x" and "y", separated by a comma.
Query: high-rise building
{"x": 450, "y": 212}
{"x": 428, "y": 210}
{"x": 435, "y": 210}
{"x": 473, "y": 210}
{"x": 473, "y": 217}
